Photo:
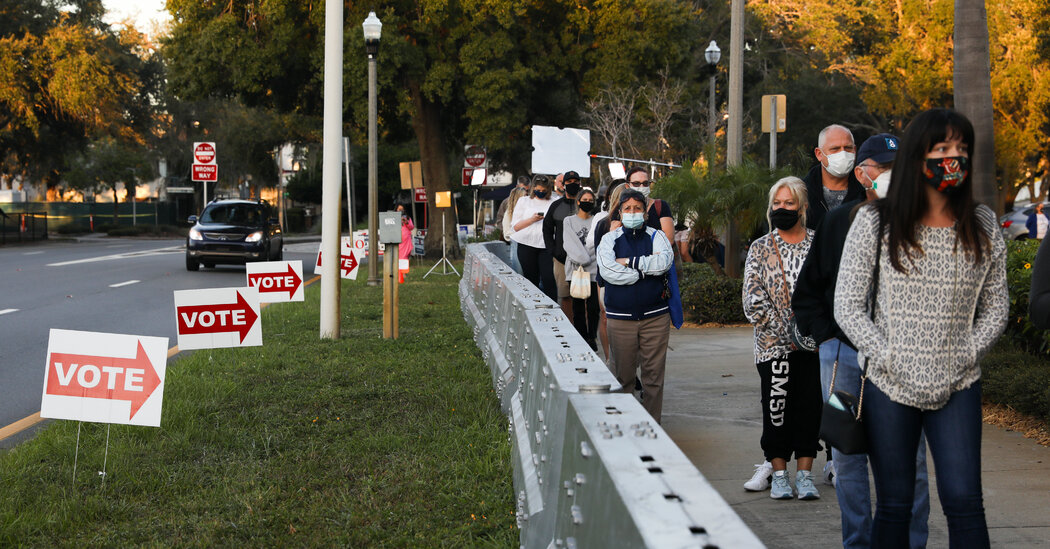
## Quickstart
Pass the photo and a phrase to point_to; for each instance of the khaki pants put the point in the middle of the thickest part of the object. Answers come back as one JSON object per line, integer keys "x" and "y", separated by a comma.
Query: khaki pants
{"x": 641, "y": 342}
{"x": 561, "y": 279}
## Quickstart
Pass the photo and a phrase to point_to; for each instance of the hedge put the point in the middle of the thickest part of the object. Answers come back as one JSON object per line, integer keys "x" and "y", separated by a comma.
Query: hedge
{"x": 708, "y": 297}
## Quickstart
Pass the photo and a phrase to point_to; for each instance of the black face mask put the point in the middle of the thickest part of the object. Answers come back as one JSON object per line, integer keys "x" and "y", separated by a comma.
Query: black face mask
{"x": 784, "y": 218}
{"x": 572, "y": 188}
{"x": 586, "y": 207}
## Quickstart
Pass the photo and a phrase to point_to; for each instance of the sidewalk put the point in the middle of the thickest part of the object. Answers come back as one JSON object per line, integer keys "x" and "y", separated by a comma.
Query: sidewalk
{"x": 711, "y": 410}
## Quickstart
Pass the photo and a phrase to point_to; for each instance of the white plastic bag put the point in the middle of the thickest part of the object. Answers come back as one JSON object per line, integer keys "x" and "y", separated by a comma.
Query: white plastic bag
{"x": 580, "y": 285}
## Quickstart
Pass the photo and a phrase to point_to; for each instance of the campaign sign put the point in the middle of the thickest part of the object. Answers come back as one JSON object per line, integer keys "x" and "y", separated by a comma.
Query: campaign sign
{"x": 218, "y": 317}
{"x": 105, "y": 378}
{"x": 348, "y": 263}
{"x": 276, "y": 281}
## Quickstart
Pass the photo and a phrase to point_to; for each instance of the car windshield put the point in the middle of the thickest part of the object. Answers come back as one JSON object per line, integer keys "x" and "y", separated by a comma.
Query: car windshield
{"x": 233, "y": 214}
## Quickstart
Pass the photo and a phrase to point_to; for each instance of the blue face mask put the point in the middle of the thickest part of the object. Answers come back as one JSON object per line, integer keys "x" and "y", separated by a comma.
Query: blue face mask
{"x": 540, "y": 194}
{"x": 633, "y": 220}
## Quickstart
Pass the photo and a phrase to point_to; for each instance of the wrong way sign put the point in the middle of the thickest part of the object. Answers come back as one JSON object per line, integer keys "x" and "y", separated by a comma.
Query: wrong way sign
{"x": 105, "y": 378}
{"x": 276, "y": 281}
{"x": 204, "y": 166}
{"x": 218, "y": 317}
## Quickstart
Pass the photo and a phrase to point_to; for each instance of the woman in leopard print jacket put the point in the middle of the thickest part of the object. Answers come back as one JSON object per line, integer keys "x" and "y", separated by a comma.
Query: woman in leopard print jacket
{"x": 790, "y": 378}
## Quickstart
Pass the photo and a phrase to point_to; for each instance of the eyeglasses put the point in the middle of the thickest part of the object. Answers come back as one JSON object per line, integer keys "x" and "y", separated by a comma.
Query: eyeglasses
{"x": 640, "y": 183}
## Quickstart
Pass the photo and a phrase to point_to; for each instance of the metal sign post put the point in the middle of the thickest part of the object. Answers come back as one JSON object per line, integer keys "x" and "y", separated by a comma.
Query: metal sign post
{"x": 774, "y": 121}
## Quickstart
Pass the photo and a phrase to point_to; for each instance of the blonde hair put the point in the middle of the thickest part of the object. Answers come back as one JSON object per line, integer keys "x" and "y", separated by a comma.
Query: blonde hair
{"x": 798, "y": 192}
{"x": 513, "y": 197}
{"x": 614, "y": 199}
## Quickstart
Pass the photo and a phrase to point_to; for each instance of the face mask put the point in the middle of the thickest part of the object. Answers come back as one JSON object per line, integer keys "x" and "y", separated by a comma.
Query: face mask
{"x": 643, "y": 190}
{"x": 783, "y": 218}
{"x": 633, "y": 220}
{"x": 540, "y": 194}
{"x": 572, "y": 188}
{"x": 946, "y": 174}
{"x": 586, "y": 207}
{"x": 881, "y": 184}
{"x": 840, "y": 163}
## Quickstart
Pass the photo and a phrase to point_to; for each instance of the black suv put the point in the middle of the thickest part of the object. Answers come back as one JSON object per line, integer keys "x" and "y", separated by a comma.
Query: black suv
{"x": 233, "y": 232}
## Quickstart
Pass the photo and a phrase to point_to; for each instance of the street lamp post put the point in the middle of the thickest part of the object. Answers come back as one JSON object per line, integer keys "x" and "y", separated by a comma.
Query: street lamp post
{"x": 712, "y": 54}
{"x": 372, "y": 29}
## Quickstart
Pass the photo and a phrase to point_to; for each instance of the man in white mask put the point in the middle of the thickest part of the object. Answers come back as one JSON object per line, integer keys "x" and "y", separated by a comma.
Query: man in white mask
{"x": 831, "y": 182}
{"x": 813, "y": 305}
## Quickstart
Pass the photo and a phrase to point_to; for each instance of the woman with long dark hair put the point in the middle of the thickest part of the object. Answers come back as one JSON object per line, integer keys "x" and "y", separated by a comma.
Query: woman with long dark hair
{"x": 932, "y": 264}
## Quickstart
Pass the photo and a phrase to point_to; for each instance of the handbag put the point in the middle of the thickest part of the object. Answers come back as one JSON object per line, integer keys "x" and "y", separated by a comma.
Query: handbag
{"x": 841, "y": 425}
{"x": 802, "y": 342}
{"x": 580, "y": 286}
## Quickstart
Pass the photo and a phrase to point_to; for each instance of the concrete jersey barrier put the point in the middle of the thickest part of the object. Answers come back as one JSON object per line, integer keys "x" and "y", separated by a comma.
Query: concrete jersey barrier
{"x": 591, "y": 468}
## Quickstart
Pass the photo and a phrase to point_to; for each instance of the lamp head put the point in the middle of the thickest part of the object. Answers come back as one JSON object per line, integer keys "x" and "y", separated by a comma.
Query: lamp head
{"x": 372, "y": 29}
{"x": 712, "y": 53}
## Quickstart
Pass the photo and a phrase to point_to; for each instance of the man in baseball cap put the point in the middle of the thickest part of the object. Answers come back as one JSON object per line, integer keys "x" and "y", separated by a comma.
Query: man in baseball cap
{"x": 813, "y": 304}
{"x": 553, "y": 236}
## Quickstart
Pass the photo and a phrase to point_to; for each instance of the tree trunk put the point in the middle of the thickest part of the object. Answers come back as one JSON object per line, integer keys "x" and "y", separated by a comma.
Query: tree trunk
{"x": 973, "y": 96}
{"x": 426, "y": 121}
{"x": 116, "y": 206}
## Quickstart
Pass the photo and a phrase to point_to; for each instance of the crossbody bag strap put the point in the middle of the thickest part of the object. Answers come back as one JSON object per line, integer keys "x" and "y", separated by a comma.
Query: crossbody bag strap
{"x": 873, "y": 297}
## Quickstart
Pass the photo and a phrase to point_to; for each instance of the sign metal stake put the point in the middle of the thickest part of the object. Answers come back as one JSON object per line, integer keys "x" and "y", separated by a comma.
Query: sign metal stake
{"x": 105, "y": 459}
{"x": 76, "y": 454}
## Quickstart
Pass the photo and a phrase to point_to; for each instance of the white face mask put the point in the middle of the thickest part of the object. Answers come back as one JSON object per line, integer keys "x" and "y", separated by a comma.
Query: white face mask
{"x": 881, "y": 184}
{"x": 643, "y": 190}
{"x": 840, "y": 163}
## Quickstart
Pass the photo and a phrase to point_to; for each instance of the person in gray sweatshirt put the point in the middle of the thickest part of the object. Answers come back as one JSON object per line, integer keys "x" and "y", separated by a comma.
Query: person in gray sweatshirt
{"x": 579, "y": 245}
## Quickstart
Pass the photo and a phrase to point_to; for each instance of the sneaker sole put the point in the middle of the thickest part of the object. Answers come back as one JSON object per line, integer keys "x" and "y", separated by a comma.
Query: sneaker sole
{"x": 783, "y": 497}
{"x": 810, "y": 497}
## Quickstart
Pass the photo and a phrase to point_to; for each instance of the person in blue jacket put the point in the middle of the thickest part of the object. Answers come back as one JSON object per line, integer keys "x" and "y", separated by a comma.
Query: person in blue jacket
{"x": 1037, "y": 223}
{"x": 633, "y": 260}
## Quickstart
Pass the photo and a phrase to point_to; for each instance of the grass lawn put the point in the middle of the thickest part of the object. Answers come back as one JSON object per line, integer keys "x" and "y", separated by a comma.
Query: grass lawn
{"x": 360, "y": 442}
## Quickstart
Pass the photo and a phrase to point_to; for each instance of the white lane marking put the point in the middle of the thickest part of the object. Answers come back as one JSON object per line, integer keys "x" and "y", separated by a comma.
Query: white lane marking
{"x": 32, "y": 253}
{"x": 128, "y": 283}
{"x": 5, "y": 311}
{"x": 128, "y": 255}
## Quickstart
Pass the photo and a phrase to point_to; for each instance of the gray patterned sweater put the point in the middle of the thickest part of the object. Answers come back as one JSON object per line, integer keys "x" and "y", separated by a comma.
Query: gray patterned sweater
{"x": 932, "y": 324}
{"x": 767, "y": 303}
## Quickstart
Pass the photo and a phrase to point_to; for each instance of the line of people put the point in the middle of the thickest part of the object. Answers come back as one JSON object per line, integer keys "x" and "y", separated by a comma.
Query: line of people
{"x": 883, "y": 258}
{"x": 623, "y": 243}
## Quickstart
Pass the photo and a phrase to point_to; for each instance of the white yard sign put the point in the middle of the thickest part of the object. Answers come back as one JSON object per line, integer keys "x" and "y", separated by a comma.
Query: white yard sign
{"x": 276, "y": 281}
{"x": 105, "y": 378}
{"x": 218, "y": 317}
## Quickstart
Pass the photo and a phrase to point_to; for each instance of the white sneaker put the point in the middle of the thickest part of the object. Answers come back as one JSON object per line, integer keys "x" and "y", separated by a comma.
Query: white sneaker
{"x": 829, "y": 473}
{"x": 760, "y": 480}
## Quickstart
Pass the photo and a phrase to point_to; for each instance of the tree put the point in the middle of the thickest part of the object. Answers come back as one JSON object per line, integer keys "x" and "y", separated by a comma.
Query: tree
{"x": 973, "y": 96}
{"x": 610, "y": 115}
{"x": 106, "y": 163}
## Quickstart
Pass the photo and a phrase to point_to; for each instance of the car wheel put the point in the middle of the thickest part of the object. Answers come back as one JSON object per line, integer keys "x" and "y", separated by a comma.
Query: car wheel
{"x": 280, "y": 254}
{"x": 192, "y": 264}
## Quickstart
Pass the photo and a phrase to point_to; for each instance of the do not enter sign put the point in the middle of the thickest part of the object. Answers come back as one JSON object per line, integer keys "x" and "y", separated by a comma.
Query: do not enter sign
{"x": 474, "y": 156}
{"x": 203, "y": 153}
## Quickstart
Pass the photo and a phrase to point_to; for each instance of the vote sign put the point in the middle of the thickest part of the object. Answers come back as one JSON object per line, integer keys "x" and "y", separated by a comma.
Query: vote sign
{"x": 276, "y": 281}
{"x": 348, "y": 263}
{"x": 218, "y": 317}
{"x": 105, "y": 378}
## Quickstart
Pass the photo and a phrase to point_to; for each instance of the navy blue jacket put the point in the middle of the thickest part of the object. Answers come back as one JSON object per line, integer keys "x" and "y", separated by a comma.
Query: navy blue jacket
{"x": 635, "y": 291}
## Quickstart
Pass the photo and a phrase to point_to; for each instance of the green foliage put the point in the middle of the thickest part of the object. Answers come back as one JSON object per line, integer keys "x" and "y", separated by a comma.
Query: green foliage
{"x": 1011, "y": 376}
{"x": 72, "y": 228}
{"x": 1019, "y": 328}
{"x": 358, "y": 442}
{"x": 708, "y": 297}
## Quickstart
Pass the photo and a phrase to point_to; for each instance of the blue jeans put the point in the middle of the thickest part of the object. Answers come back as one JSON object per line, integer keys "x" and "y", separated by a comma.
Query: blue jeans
{"x": 851, "y": 471}
{"x": 954, "y": 435}
{"x": 514, "y": 264}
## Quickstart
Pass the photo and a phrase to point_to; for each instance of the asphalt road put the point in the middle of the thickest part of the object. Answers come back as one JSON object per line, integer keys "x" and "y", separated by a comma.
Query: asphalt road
{"x": 119, "y": 286}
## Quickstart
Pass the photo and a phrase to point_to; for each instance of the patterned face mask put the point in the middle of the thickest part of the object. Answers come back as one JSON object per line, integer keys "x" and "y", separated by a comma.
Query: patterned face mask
{"x": 946, "y": 174}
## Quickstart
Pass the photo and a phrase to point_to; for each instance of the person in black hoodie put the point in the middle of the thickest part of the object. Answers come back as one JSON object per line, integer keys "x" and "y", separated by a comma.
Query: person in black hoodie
{"x": 553, "y": 238}
{"x": 831, "y": 181}
{"x": 813, "y": 303}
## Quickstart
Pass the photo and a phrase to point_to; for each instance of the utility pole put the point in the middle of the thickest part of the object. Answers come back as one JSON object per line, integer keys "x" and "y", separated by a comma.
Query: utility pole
{"x": 735, "y": 128}
{"x": 331, "y": 176}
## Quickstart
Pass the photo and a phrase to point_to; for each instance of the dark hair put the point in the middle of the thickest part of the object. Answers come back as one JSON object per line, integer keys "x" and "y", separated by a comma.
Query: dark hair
{"x": 524, "y": 180}
{"x": 629, "y": 194}
{"x": 633, "y": 171}
{"x": 906, "y": 201}
{"x": 586, "y": 190}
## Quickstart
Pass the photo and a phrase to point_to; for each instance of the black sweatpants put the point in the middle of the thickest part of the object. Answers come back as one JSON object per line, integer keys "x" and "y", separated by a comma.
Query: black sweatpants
{"x": 585, "y": 315}
{"x": 791, "y": 405}
{"x": 537, "y": 265}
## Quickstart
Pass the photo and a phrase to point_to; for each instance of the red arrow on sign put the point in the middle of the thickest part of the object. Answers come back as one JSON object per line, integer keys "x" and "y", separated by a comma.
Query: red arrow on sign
{"x": 276, "y": 282}
{"x": 105, "y": 377}
{"x": 215, "y": 319}
{"x": 348, "y": 263}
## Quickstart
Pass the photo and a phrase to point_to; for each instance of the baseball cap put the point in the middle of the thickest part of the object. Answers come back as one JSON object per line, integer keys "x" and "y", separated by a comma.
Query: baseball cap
{"x": 569, "y": 176}
{"x": 881, "y": 148}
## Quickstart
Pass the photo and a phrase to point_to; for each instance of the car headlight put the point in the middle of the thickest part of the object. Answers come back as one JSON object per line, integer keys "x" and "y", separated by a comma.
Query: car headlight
{"x": 195, "y": 234}
{"x": 254, "y": 237}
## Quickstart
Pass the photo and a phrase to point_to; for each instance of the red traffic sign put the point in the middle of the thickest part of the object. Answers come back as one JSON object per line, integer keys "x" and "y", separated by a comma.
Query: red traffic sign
{"x": 468, "y": 173}
{"x": 204, "y": 153}
{"x": 105, "y": 377}
{"x": 474, "y": 156}
{"x": 421, "y": 195}
{"x": 218, "y": 317}
{"x": 274, "y": 278}
{"x": 205, "y": 172}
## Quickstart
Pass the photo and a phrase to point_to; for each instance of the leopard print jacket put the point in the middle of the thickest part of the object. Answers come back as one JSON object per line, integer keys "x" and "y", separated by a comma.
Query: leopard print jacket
{"x": 932, "y": 324}
{"x": 767, "y": 304}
